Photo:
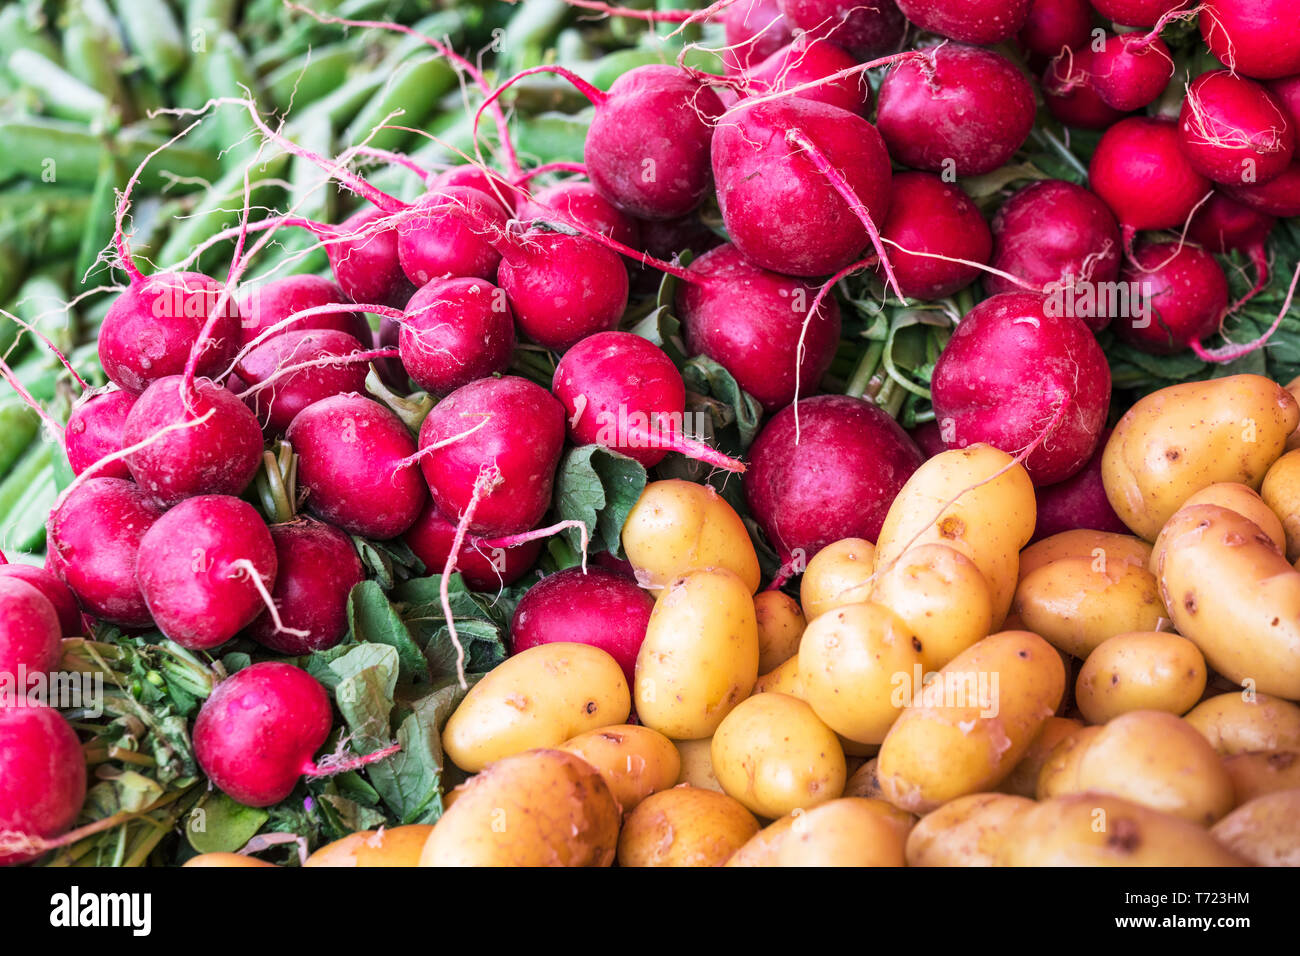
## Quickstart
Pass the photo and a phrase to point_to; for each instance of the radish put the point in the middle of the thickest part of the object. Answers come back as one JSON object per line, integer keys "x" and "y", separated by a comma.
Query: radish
{"x": 580, "y": 203}
{"x": 276, "y": 394}
{"x": 1223, "y": 225}
{"x": 958, "y": 110}
{"x": 1233, "y": 130}
{"x": 1256, "y": 38}
{"x": 928, "y": 215}
{"x": 95, "y": 429}
{"x": 456, "y": 331}
{"x": 484, "y": 568}
{"x": 363, "y": 256}
{"x": 1055, "y": 25}
{"x": 1020, "y": 377}
{"x": 271, "y": 304}
{"x": 489, "y": 451}
{"x": 1277, "y": 197}
{"x": 752, "y": 322}
{"x": 1187, "y": 294}
{"x": 356, "y": 465}
{"x": 316, "y": 569}
{"x": 152, "y": 326}
{"x": 866, "y": 30}
{"x": 31, "y": 637}
{"x": 667, "y": 238}
{"x": 825, "y": 469}
{"x": 42, "y": 779}
{"x": 1069, "y": 93}
{"x": 927, "y": 438}
{"x": 191, "y": 442}
{"x": 1078, "y": 502}
{"x": 1130, "y": 70}
{"x": 597, "y": 607}
{"x": 94, "y": 537}
{"x": 807, "y": 61}
{"x": 777, "y": 163}
{"x": 624, "y": 393}
{"x": 54, "y": 590}
{"x": 754, "y": 29}
{"x": 1287, "y": 91}
{"x": 984, "y": 22}
{"x": 204, "y": 568}
{"x": 448, "y": 232}
{"x": 1136, "y": 13}
{"x": 486, "y": 181}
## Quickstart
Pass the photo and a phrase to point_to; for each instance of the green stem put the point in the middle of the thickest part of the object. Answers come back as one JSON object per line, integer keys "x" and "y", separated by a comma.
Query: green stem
{"x": 865, "y": 369}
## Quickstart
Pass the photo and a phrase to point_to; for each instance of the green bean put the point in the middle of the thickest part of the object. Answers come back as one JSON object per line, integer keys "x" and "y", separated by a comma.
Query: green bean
{"x": 304, "y": 79}
{"x": 94, "y": 54}
{"x": 530, "y": 31}
{"x": 17, "y": 33}
{"x": 44, "y": 222}
{"x": 21, "y": 493}
{"x": 414, "y": 88}
{"x": 18, "y": 426}
{"x": 62, "y": 93}
{"x": 12, "y": 266}
{"x": 226, "y": 73}
{"x": 97, "y": 227}
{"x": 222, "y": 206}
{"x": 211, "y": 15}
{"x": 552, "y": 137}
{"x": 42, "y": 302}
{"x": 154, "y": 35}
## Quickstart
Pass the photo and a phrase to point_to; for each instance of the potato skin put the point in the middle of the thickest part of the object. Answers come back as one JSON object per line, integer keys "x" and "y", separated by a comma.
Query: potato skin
{"x": 1264, "y": 831}
{"x": 774, "y": 755}
{"x": 1237, "y": 723}
{"x": 780, "y": 626}
{"x": 225, "y": 860}
{"x": 697, "y": 764}
{"x": 700, "y": 654}
{"x": 864, "y": 782}
{"x": 391, "y": 846}
{"x": 1262, "y": 771}
{"x": 1281, "y": 492}
{"x": 1023, "y": 779}
{"x": 634, "y": 760}
{"x": 685, "y": 826}
{"x": 967, "y": 831}
{"x": 1151, "y": 670}
{"x": 847, "y": 832}
{"x": 1230, "y": 592}
{"x": 1085, "y": 543}
{"x": 938, "y": 751}
{"x": 782, "y": 680}
{"x": 537, "y": 698}
{"x": 838, "y": 574}
{"x": 539, "y": 808}
{"x": 1060, "y": 771}
{"x": 1176, "y": 441}
{"x": 1248, "y": 503}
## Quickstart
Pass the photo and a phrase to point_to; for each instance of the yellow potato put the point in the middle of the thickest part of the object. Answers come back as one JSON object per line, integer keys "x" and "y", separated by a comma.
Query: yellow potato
{"x": 700, "y": 655}
{"x": 846, "y": 832}
{"x": 224, "y": 860}
{"x": 391, "y": 846}
{"x": 1281, "y": 492}
{"x": 1060, "y": 771}
{"x": 635, "y": 761}
{"x": 775, "y": 756}
{"x": 1183, "y": 438}
{"x": 1230, "y": 592}
{"x": 991, "y": 519}
{"x": 1023, "y": 779}
{"x": 685, "y": 826}
{"x": 972, "y": 724}
{"x": 678, "y": 526}
{"x": 1265, "y": 830}
{"x": 1112, "y": 548}
{"x": 967, "y": 831}
{"x": 1241, "y": 722}
{"x": 697, "y": 764}
{"x": 1293, "y": 440}
{"x": 853, "y": 664}
{"x": 780, "y": 626}
{"x": 1093, "y": 829}
{"x": 864, "y": 782}
{"x": 539, "y": 808}
{"x": 1247, "y": 502}
{"x": 782, "y": 680}
{"x": 1263, "y": 771}
{"x": 838, "y": 574}
{"x": 942, "y": 597}
{"x": 1140, "y": 671}
{"x": 538, "y": 698}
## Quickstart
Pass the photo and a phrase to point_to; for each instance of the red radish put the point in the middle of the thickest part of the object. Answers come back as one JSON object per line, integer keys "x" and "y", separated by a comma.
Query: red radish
{"x": 597, "y": 607}
{"x": 1233, "y": 130}
{"x": 94, "y": 536}
{"x": 1055, "y": 25}
{"x": 928, "y": 215}
{"x": 1070, "y": 96}
{"x": 780, "y": 206}
{"x": 1223, "y": 225}
{"x": 494, "y": 445}
{"x": 456, "y": 331}
{"x": 1136, "y": 13}
{"x": 484, "y": 568}
{"x": 670, "y": 237}
{"x": 363, "y": 255}
{"x": 316, "y": 569}
{"x": 476, "y": 177}
{"x": 387, "y": 338}
{"x": 751, "y": 321}
{"x": 1054, "y": 232}
{"x": 1186, "y": 294}
{"x": 1277, "y": 197}
{"x": 562, "y": 288}
{"x": 42, "y": 778}
{"x": 54, "y": 590}
{"x": 203, "y": 569}
{"x": 754, "y": 29}
{"x": 829, "y": 473}
{"x": 807, "y": 61}
{"x": 152, "y": 326}
{"x": 271, "y": 304}
{"x": 201, "y": 441}
{"x": 449, "y": 233}
{"x": 1130, "y": 70}
{"x": 1256, "y": 38}
{"x": 866, "y": 30}
{"x": 1078, "y": 502}
{"x": 1287, "y": 90}
{"x": 355, "y": 463}
{"x": 927, "y": 438}
{"x": 255, "y": 736}
{"x": 1143, "y": 176}
{"x": 276, "y": 395}
{"x": 95, "y": 429}
{"x": 1020, "y": 377}
{"x": 31, "y": 638}
{"x": 582, "y": 204}
{"x": 957, "y": 110}
{"x": 984, "y": 22}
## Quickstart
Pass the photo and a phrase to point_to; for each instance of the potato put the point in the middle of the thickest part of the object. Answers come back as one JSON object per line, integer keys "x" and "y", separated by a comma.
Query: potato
{"x": 1023, "y": 779}
{"x": 853, "y": 662}
{"x": 782, "y": 680}
{"x": 967, "y": 831}
{"x": 1247, "y": 502}
{"x": 775, "y": 756}
{"x": 700, "y": 655}
{"x": 1060, "y": 771}
{"x": 942, "y": 597}
{"x": 1084, "y": 543}
{"x": 685, "y": 826}
{"x": 972, "y": 723}
{"x": 679, "y": 526}
{"x": 1093, "y": 829}
{"x": 1242, "y": 722}
{"x": 838, "y": 574}
{"x": 780, "y": 626}
{"x": 846, "y": 832}
{"x": 391, "y": 846}
{"x": 864, "y": 782}
{"x": 539, "y": 808}
{"x": 697, "y": 764}
{"x": 1183, "y": 438}
{"x": 1281, "y": 492}
{"x": 1140, "y": 671}
{"x": 1263, "y": 771}
{"x": 538, "y": 698}
{"x": 635, "y": 761}
{"x": 224, "y": 860}
{"x": 1293, "y": 440}
{"x": 1264, "y": 831}
{"x": 990, "y": 520}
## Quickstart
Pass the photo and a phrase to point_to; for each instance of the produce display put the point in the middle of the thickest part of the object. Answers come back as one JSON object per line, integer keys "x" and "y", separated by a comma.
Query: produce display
{"x": 747, "y": 433}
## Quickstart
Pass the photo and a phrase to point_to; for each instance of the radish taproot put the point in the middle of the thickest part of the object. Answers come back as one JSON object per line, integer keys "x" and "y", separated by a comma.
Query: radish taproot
{"x": 42, "y": 780}
{"x": 484, "y": 567}
{"x": 931, "y": 224}
{"x": 271, "y": 305}
{"x": 982, "y": 22}
{"x": 456, "y": 331}
{"x": 287, "y": 373}
{"x": 1233, "y": 130}
{"x": 866, "y": 30}
{"x": 1184, "y": 294}
{"x": 31, "y": 636}
{"x": 95, "y": 430}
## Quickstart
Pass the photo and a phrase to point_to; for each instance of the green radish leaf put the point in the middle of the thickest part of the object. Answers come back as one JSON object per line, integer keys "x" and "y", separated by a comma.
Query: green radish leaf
{"x": 220, "y": 825}
{"x": 484, "y": 644}
{"x": 599, "y": 488}
{"x": 734, "y": 406}
{"x": 364, "y": 690}
{"x": 372, "y": 619}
